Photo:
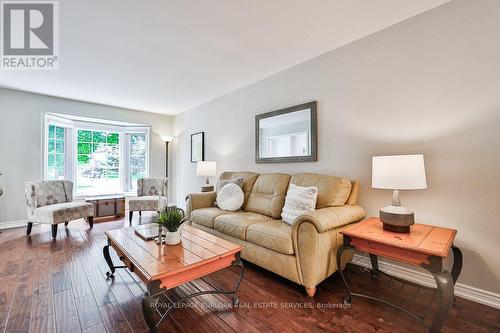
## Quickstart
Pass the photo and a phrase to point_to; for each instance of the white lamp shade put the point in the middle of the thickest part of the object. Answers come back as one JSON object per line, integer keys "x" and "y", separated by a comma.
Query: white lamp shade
{"x": 166, "y": 138}
{"x": 399, "y": 172}
{"x": 205, "y": 168}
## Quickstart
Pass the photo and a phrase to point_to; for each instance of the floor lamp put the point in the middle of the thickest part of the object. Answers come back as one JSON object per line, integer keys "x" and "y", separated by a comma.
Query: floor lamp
{"x": 167, "y": 139}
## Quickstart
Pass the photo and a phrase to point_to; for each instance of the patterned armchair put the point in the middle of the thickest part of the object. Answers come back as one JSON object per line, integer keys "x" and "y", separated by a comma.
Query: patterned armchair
{"x": 51, "y": 202}
{"x": 151, "y": 196}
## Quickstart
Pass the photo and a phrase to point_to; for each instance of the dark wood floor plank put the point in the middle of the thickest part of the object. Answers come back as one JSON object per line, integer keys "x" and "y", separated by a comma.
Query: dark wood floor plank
{"x": 88, "y": 312}
{"x": 43, "y": 324}
{"x": 113, "y": 318}
{"x": 66, "y": 313}
{"x": 99, "y": 328}
{"x": 20, "y": 309}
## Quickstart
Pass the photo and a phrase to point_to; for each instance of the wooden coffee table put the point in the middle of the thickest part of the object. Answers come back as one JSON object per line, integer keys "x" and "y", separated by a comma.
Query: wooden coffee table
{"x": 165, "y": 267}
{"x": 425, "y": 245}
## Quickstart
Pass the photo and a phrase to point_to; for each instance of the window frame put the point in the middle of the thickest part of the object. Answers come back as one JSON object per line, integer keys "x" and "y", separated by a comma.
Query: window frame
{"x": 55, "y": 121}
{"x": 126, "y": 181}
{"x": 71, "y": 149}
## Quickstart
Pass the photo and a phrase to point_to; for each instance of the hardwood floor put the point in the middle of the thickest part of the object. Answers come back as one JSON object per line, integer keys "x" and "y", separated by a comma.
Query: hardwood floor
{"x": 60, "y": 286}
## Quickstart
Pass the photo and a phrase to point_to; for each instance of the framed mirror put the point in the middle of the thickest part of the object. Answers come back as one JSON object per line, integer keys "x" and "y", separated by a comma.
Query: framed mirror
{"x": 287, "y": 135}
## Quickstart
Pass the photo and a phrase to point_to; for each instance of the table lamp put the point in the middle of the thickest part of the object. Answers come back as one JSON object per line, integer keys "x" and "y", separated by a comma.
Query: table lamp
{"x": 207, "y": 169}
{"x": 398, "y": 172}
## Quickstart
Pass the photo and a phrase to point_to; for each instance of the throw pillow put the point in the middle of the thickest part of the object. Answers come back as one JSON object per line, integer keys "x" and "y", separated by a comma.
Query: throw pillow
{"x": 299, "y": 200}
{"x": 237, "y": 181}
{"x": 230, "y": 197}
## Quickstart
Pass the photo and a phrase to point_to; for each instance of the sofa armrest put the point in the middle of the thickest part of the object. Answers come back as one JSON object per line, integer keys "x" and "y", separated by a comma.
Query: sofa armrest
{"x": 328, "y": 218}
{"x": 316, "y": 238}
{"x": 199, "y": 200}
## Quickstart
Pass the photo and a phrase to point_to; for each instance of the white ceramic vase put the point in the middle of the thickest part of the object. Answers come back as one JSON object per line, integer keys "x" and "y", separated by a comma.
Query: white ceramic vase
{"x": 173, "y": 238}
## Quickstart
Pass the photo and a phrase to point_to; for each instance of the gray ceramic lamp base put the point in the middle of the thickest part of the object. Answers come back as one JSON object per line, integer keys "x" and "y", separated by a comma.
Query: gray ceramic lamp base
{"x": 397, "y": 222}
{"x": 396, "y": 217}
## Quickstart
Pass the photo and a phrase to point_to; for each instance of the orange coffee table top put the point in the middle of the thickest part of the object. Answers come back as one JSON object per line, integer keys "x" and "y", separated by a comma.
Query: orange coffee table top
{"x": 198, "y": 254}
{"x": 422, "y": 238}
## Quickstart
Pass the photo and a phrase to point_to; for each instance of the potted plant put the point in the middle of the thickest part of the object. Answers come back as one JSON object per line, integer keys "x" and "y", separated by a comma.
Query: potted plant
{"x": 171, "y": 218}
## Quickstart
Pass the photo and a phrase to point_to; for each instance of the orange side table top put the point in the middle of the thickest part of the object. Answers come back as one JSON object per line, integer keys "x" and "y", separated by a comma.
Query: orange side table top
{"x": 413, "y": 248}
{"x": 425, "y": 245}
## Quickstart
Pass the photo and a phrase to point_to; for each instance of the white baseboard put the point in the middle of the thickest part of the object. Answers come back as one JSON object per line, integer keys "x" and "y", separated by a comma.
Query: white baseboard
{"x": 462, "y": 290}
{"x": 13, "y": 224}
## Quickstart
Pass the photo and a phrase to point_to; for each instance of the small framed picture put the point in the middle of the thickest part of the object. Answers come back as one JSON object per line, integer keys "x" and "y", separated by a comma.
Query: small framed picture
{"x": 198, "y": 147}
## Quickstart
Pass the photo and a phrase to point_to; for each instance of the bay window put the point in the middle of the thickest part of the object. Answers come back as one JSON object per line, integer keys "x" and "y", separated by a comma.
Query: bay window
{"x": 100, "y": 158}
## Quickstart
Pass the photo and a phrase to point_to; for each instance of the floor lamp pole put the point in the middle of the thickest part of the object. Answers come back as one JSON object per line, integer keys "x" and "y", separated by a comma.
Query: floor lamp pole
{"x": 166, "y": 159}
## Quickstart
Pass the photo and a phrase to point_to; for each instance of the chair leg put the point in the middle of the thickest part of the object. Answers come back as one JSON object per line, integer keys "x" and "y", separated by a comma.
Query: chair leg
{"x": 130, "y": 214}
{"x": 140, "y": 213}
{"x": 90, "y": 219}
{"x": 66, "y": 224}
{"x": 54, "y": 230}
{"x": 28, "y": 229}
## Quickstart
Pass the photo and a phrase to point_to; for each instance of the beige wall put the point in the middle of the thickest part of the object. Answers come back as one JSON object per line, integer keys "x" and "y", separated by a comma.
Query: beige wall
{"x": 428, "y": 85}
{"x": 21, "y": 117}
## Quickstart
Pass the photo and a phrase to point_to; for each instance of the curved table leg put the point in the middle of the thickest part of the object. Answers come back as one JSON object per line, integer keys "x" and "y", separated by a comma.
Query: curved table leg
{"x": 148, "y": 309}
{"x": 374, "y": 261}
{"x": 444, "y": 282}
{"x": 149, "y": 303}
{"x": 340, "y": 251}
{"x": 107, "y": 257}
{"x": 457, "y": 263}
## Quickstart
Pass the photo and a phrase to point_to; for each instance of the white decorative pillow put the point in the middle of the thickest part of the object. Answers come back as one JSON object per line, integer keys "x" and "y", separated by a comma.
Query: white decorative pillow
{"x": 230, "y": 197}
{"x": 299, "y": 200}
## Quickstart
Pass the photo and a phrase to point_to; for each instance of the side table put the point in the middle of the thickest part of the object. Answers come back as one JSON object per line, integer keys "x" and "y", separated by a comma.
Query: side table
{"x": 425, "y": 246}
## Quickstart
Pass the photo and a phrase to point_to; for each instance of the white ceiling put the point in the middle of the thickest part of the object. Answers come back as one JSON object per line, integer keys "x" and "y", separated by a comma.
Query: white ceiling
{"x": 168, "y": 56}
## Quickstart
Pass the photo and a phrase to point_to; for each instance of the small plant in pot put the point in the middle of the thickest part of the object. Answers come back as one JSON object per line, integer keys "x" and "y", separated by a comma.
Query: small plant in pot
{"x": 171, "y": 218}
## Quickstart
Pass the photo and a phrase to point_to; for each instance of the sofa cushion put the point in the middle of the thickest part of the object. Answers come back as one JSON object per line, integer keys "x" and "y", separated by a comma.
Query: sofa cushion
{"x": 147, "y": 203}
{"x": 206, "y": 216}
{"x": 274, "y": 235}
{"x": 236, "y": 224}
{"x": 268, "y": 194}
{"x": 332, "y": 190}
{"x": 62, "y": 212}
{"x": 248, "y": 181}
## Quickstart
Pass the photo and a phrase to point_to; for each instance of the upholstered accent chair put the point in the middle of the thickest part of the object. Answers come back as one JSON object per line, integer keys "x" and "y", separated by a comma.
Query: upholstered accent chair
{"x": 151, "y": 196}
{"x": 51, "y": 202}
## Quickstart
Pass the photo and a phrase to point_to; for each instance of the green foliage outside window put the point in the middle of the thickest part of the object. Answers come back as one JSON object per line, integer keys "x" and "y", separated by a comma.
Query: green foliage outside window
{"x": 98, "y": 154}
{"x": 99, "y": 137}
{"x": 84, "y": 136}
{"x": 113, "y": 138}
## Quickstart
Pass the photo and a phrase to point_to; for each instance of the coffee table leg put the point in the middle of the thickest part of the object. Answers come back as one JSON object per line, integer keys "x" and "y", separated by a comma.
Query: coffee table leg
{"x": 149, "y": 307}
{"x": 150, "y": 300}
{"x": 340, "y": 251}
{"x": 107, "y": 257}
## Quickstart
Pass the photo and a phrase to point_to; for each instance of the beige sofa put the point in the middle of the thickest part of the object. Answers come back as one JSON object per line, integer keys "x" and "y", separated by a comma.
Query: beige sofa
{"x": 303, "y": 253}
